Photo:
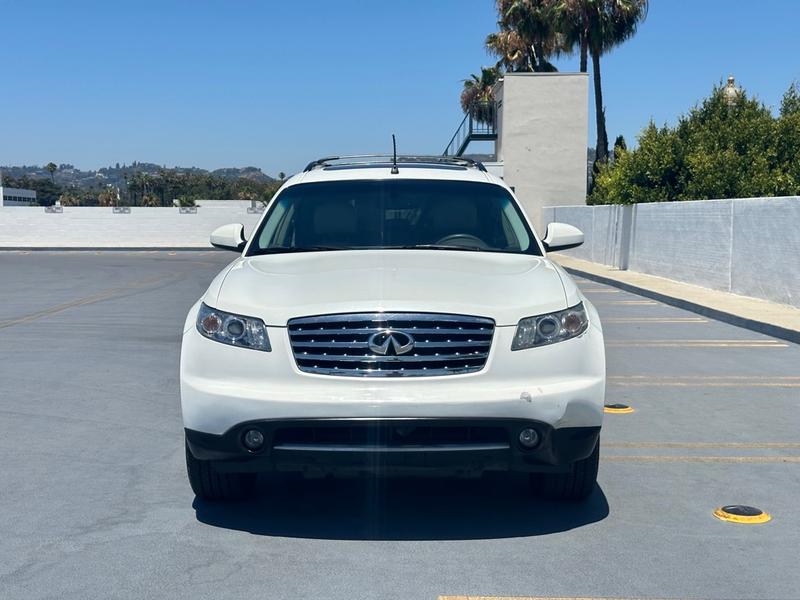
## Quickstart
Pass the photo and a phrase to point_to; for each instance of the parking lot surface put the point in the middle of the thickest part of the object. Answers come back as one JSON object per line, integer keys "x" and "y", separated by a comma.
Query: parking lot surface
{"x": 94, "y": 501}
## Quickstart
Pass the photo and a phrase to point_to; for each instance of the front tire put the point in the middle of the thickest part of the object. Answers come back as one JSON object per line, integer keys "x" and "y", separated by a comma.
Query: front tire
{"x": 209, "y": 484}
{"x": 574, "y": 485}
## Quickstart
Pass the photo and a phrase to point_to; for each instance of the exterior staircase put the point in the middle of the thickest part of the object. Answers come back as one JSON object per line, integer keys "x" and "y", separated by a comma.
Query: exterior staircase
{"x": 479, "y": 124}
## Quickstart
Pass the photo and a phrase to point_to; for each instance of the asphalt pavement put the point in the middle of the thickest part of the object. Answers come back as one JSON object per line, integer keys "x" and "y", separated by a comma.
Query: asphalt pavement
{"x": 94, "y": 501}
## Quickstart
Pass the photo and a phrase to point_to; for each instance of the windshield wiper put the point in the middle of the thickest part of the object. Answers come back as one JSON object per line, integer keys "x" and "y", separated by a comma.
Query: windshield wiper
{"x": 287, "y": 249}
{"x": 436, "y": 247}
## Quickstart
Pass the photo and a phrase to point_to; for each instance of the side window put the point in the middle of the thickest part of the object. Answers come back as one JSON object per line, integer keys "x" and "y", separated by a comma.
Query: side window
{"x": 274, "y": 230}
{"x": 284, "y": 235}
{"x": 512, "y": 220}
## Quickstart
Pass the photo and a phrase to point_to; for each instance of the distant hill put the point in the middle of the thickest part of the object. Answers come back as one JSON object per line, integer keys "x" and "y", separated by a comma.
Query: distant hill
{"x": 68, "y": 176}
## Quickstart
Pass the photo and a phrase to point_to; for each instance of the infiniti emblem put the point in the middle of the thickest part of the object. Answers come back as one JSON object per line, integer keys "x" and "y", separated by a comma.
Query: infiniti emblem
{"x": 384, "y": 341}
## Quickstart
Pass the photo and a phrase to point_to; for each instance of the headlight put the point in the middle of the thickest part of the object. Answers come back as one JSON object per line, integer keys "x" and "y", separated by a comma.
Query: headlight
{"x": 235, "y": 330}
{"x": 551, "y": 328}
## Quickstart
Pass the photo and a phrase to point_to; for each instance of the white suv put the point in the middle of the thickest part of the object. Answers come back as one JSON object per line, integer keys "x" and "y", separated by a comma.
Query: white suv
{"x": 393, "y": 317}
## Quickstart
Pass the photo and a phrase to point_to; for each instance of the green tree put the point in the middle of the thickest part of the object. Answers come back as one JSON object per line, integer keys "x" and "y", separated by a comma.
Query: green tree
{"x": 715, "y": 151}
{"x": 619, "y": 145}
{"x": 787, "y": 139}
{"x": 790, "y": 104}
{"x": 52, "y": 168}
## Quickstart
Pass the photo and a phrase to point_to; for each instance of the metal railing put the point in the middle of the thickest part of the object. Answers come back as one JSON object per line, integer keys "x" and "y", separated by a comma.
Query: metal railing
{"x": 480, "y": 123}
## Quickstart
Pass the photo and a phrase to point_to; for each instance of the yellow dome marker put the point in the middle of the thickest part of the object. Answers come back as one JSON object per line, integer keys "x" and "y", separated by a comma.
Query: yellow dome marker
{"x": 739, "y": 513}
{"x": 619, "y": 409}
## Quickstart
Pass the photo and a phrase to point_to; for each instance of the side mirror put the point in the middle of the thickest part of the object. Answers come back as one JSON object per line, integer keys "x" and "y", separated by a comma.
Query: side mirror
{"x": 229, "y": 237}
{"x": 560, "y": 236}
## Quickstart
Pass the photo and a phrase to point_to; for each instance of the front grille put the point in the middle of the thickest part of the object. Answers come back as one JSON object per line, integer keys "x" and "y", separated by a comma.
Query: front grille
{"x": 340, "y": 344}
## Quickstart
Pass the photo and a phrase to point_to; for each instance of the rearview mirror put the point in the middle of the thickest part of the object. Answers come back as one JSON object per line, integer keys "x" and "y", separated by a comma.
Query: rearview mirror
{"x": 560, "y": 236}
{"x": 229, "y": 237}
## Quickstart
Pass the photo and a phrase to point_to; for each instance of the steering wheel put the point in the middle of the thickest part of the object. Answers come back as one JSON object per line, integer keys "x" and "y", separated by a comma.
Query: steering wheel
{"x": 462, "y": 239}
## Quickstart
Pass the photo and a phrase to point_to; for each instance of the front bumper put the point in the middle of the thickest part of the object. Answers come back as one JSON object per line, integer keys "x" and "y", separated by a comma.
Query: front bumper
{"x": 561, "y": 385}
{"x": 459, "y": 446}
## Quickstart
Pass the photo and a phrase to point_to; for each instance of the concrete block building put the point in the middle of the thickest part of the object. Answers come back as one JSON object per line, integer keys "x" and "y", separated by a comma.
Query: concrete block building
{"x": 17, "y": 197}
{"x": 539, "y": 124}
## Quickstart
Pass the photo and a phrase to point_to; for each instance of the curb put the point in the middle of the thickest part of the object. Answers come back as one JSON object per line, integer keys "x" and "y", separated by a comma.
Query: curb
{"x": 790, "y": 335}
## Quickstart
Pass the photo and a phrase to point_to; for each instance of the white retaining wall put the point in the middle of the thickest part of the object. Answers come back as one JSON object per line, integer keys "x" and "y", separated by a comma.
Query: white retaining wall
{"x": 748, "y": 246}
{"x": 100, "y": 227}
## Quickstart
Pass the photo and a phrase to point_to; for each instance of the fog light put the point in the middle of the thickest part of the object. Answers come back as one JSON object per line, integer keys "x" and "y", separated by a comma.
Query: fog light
{"x": 253, "y": 439}
{"x": 528, "y": 438}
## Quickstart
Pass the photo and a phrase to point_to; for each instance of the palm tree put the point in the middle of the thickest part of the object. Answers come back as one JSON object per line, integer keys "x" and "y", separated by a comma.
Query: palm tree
{"x": 512, "y": 52}
{"x": 150, "y": 200}
{"x": 595, "y": 27}
{"x": 478, "y": 93}
{"x": 52, "y": 168}
{"x": 573, "y": 22}
{"x": 107, "y": 197}
{"x": 527, "y": 36}
{"x": 67, "y": 199}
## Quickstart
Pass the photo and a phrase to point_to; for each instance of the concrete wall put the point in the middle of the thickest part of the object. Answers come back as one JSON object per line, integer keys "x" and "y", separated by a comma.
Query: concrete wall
{"x": 543, "y": 125}
{"x": 100, "y": 227}
{"x": 601, "y": 226}
{"x": 748, "y": 246}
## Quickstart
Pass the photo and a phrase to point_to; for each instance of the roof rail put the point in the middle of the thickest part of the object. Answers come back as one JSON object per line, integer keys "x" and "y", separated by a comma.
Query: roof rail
{"x": 365, "y": 159}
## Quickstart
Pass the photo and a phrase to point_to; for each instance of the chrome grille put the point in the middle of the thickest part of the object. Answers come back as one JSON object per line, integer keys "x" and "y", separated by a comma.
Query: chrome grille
{"x": 340, "y": 344}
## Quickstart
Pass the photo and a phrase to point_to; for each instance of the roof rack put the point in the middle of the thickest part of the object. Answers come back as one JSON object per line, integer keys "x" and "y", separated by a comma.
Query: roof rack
{"x": 365, "y": 159}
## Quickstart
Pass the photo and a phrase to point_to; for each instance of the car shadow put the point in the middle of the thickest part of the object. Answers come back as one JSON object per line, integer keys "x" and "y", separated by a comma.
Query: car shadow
{"x": 494, "y": 506}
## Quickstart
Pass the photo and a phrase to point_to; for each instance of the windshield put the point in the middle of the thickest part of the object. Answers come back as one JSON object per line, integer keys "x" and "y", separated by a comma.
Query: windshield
{"x": 388, "y": 214}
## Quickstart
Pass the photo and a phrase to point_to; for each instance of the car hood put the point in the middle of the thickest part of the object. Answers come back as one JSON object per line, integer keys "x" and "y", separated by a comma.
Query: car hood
{"x": 504, "y": 287}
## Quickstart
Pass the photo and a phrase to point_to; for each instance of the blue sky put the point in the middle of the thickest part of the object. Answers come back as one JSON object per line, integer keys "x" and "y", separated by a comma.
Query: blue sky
{"x": 274, "y": 84}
